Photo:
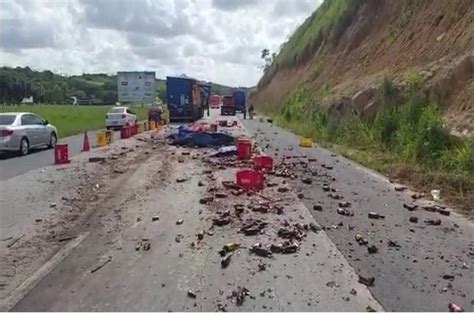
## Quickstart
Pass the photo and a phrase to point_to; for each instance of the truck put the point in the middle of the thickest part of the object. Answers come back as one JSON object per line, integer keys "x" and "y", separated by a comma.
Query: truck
{"x": 215, "y": 101}
{"x": 186, "y": 98}
{"x": 228, "y": 105}
{"x": 239, "y": 99}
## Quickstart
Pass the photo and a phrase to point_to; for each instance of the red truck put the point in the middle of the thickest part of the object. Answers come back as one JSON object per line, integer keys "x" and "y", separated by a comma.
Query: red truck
{"x": 228, "y": 105}
{"x": 214, "y": 101}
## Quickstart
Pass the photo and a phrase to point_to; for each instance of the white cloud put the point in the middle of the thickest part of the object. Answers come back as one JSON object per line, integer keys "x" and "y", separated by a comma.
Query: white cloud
{"x": 215, "y": 40}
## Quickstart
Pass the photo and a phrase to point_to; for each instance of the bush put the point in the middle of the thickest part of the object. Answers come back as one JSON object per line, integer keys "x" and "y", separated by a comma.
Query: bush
{"x": 387, "y": 87}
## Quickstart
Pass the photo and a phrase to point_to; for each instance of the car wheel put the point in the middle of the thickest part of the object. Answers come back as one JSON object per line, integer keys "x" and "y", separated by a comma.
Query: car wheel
{"x": 24, "y": 146}
{"x": 53, "y": 139}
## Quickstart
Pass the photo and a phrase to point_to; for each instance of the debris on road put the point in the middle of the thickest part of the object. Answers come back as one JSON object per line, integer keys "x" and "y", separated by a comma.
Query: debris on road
{"x": 239, "y": 295}
{"x": 230, "y": 247}
{"x": 410, "y": 207}
{"x": 393, "y": 244}
{"x": 178, "y": 238}
{"x": 360, "y": 239}
{"x": 221, "y": 221}
{"x": 101, "y": 265}
{"x": 433, "y": 222}
{"x": 353, "y": 291}
{"x": 345, "y": 212}
{"x": 344, "y": 204}
{"x": 96, "y": 159}
{"x": 253, "y": 226}
{"x": 15, "y": 240}
{"x": 455, "y": 308}
{"x": 52, "y": 205}
{"x": 259, "y": 250}
{"x": 182, "y": 179}
{"x": 375, "y": 215}
{"x": 206, "y": 200}
{"x": 226, "y": 261}
{"x": 413, "y": 219}
{"x": 179, "y": 222}
{"x": 155, "y": 218}
{"x": 191, "y": 294}
{"x": 367, "y": 281}
{"x": 400, "y": 188}
{"x": 372, "y": 249}
{"x": 318, "y": 207}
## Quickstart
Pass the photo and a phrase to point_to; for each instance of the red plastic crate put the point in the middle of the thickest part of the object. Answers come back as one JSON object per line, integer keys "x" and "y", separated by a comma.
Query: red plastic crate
{"x": 262, "y": 162}
{"x": 249, "y": 179}
{"x": 244, "y": 149}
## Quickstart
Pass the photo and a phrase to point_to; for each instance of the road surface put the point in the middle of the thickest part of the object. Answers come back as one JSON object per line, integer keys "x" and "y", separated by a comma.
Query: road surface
{"x": 12, "y": 165}
{"x": 148, "y": 192}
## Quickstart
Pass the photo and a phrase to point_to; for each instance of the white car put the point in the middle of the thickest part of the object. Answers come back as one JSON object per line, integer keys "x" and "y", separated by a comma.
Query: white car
{"x": 118, "y": 117}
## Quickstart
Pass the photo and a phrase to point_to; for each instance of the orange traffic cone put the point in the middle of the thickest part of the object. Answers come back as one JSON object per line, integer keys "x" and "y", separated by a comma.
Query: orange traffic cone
{"x": 85, "y": 143}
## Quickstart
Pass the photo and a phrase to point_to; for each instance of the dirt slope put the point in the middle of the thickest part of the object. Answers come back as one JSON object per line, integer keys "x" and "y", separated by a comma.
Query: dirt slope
{"x": 346, "y": 46}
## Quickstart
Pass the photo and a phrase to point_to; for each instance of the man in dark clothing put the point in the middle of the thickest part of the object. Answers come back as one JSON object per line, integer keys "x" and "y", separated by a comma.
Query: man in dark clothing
{"x": 244, "y": 110}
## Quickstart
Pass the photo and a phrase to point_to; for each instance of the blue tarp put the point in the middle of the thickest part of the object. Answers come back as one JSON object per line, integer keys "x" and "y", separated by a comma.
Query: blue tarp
{"x": 202, "y": 139}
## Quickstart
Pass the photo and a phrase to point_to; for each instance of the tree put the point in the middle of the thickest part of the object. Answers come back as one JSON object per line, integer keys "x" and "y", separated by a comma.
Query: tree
{"x": 265, "y": 53}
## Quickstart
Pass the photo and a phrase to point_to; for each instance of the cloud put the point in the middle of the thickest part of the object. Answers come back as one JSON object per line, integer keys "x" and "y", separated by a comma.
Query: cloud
{"x": 213, "y": 40}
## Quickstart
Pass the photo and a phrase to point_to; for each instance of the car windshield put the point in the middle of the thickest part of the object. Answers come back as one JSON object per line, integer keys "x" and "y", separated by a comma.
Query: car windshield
{"x": 116, "y": 111}
{"x": 7, "y": 120}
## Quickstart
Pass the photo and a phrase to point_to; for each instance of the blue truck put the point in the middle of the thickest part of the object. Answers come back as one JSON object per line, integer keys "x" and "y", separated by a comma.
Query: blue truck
{"x": 186, "y": 98}
{"x": 239, "y": 99}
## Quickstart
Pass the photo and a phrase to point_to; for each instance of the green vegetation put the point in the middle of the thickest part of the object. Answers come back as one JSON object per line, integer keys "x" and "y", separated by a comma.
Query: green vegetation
{"x": 328, "y": 21}
{"x": 47, "y": 87}
{"x": 72, "y": 120}
{"x": 408, "y": 137}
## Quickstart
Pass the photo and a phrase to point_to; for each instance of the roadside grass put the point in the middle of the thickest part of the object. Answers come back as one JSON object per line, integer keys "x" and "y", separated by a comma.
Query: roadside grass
{"x": 407, "y": 142}
{"x": 71, "y": 120}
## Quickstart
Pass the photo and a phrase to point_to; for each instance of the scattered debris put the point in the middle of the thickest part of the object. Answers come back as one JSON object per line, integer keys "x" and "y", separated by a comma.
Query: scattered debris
{"x": 318, "y": 207}
{"x": 448, "y": 277}
{"x": 226, "y": 261}
{"x": 370, "y": 309}
{"x": 230, "y": 247}
{"x": 455, "y": 308}
{"x": 262, "y": 267}
{"x": 261, "y": 251}
{"x": 253, "y": 227}
{"x": 393, "y": 244}
{"x": 360, "y": 239}
{"x": 178, "y": 238}
{"x": 286, "y": 248}
{"x": 181, "y": 179}
{"x": 335, "y": 196}
{"x": 65, "y": 238}
{"x": 100, "y": 266}
{"x": 15, "y": 240}
{"x": 307, "y": 180}
{"x": 345, "y": 212}
{"x": 413, "y": 219}
{"x": 368, "y": 281}
{"x": 191, "y": 294}
{"x": 200, "y": 235}
{"x": 436, "y": 194}
{"x": 433, "y": 222}
{"x": 155, "y": 218}
{"x": 326, "y": 188}
{"x": 221, "y": 221}
{"x": 206, "y": 200}
{"x": 331, "y": 284}
{"x": 200, "y": 184}
{"x": 410, "y": 207}
{"x": 372, "y": 249}
{"x": 444, "y": 212}
{"x": 344, "y": 204}
{"x": 96, "y": 159}
{"x": 52, "y": 205}
{"x": 375, "y": 215}
{"x": 400, "y": 188}
{"x": 239, "y": 295}
{"x": 179, "y": 222}
{"x": 353, "y": 291}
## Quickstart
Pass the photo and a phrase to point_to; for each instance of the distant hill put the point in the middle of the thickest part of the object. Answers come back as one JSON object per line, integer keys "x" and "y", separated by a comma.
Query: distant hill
{"x": 48, "y": 87}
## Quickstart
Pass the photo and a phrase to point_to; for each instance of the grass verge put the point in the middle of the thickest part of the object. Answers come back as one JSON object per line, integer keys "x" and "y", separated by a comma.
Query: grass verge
{"x": 71, "y": 120}
{"x": 406, "y": 141}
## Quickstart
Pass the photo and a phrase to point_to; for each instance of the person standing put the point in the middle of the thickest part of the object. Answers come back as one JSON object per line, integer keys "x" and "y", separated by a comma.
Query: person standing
{"x": 251, "y": 109}
{"x": 244, "y": 110}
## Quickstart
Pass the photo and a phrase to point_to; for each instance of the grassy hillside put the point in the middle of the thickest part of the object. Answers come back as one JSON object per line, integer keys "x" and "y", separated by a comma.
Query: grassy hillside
{"x": 387, "y": 53}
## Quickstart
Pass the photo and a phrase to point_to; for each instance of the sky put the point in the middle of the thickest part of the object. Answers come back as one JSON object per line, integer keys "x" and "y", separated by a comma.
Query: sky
{"x": 213, "y": 40}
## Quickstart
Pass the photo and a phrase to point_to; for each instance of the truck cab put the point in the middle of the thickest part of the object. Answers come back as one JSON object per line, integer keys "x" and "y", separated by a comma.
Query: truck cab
{"x": 228, "y": 105}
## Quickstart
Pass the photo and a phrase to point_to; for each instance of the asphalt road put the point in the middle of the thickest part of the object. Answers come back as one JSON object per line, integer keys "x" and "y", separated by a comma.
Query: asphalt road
{"x": 110, "y": 271}
{"x": 12, "y": 165}
{"x": 433, "y": 266}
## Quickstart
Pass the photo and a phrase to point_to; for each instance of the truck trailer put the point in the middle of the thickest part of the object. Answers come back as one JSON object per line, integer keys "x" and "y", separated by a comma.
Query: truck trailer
{"x": 239, "y": 99}
{"x": 228, "y": 105}
{"x": 186, "y": 98}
